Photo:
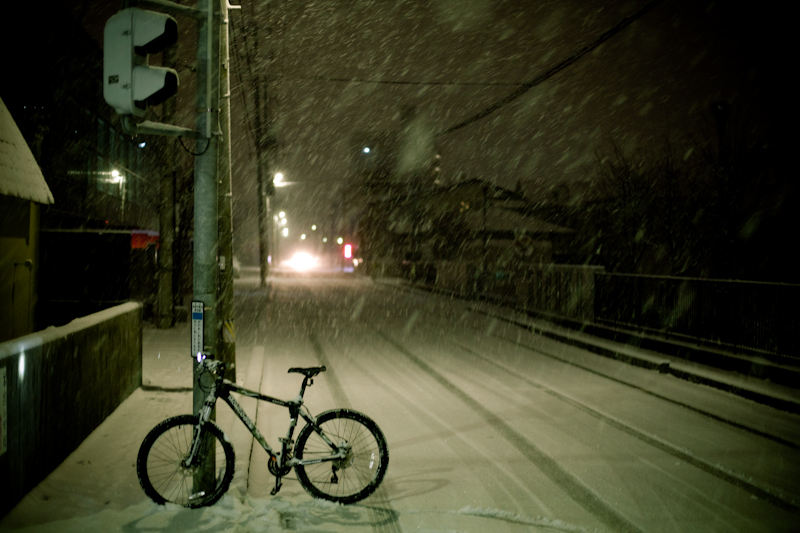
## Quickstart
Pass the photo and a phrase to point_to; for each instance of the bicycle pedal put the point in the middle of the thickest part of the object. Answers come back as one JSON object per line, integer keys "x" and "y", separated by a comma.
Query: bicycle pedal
{"x": 274, "y": 491}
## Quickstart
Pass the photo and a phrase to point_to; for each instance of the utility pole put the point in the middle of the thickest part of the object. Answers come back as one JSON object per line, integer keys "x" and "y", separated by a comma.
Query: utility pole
{"x": 264, "y": 140}
{"x": 130, "y": 85}
{"x": 266, "y": 188}
{"x": 485, "y": 239}
{"x": 263, "y": 245}
{"x": 206, "y": 225}
{"x": 166, "y": 211}
{"x": 227, "y": 351}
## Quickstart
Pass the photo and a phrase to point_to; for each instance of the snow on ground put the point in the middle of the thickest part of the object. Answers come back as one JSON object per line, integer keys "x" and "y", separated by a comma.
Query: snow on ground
{"x": 232, "y": 515}
{"x": 485, "y": 433}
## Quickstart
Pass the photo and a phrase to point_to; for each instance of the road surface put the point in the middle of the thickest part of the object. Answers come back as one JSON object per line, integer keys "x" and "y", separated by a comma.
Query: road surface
{"x": 490, "y": 428}
{"x": 493, "y": 428}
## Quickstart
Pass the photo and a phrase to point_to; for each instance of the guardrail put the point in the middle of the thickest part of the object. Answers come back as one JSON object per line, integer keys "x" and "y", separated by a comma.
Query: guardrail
{"x": 563, "y": 290}
{"x": 734, "y": 314}
{"x": 746, "y": 316}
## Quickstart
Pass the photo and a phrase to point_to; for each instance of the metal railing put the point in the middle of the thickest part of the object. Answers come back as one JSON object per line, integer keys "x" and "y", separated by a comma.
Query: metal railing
{"x": 743, "y": 316}
{"x": 757, "y": 316}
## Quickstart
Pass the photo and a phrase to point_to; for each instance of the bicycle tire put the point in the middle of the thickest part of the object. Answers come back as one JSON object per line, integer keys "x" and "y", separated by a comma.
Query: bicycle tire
{"x": 159, "y": 469}
{"x": 353, "y": 478}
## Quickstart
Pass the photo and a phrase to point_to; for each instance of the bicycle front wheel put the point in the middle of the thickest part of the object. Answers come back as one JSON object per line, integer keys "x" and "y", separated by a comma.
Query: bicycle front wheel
{"x": 345, "y": 480}
{"x": 163, "y": 474}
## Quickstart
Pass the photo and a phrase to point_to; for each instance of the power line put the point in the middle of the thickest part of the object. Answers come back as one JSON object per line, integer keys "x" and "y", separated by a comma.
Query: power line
{"x": 250, "y": 118}
{"x": 525, "y": 87}
{"x": 399, "y": 82}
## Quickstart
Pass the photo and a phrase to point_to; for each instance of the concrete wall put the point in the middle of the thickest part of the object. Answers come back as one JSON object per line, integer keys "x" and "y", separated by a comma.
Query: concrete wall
{"x": 57, "y": 386}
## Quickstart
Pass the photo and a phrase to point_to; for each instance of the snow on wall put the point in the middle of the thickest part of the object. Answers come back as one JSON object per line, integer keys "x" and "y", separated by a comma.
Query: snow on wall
{"x": 26, "y": 343}
{"x": 20, "y": 175}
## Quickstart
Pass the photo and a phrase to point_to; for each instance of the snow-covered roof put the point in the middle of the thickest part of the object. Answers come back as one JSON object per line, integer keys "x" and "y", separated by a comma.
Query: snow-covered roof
{"x": 499, "y": 219}
{"x": 20, "y": 175}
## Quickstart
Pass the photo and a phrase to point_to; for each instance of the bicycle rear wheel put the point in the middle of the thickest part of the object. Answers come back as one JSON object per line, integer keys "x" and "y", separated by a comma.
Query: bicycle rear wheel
{"x": 163, "y": 476}
{"x": 345, "y": 480}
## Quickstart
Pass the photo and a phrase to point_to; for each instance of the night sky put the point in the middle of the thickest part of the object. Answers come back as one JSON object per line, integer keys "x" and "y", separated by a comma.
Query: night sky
{"x": 340, "y": 67}
{"x": 654, "y": 80}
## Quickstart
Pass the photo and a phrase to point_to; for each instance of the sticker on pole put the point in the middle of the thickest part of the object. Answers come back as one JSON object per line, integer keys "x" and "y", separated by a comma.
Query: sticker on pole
{"x": 228, "y": 331}
{"x": 197, "y": 328}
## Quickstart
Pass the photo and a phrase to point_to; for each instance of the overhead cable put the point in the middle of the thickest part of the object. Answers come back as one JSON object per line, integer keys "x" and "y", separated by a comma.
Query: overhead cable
{"x": 525, "y": 87}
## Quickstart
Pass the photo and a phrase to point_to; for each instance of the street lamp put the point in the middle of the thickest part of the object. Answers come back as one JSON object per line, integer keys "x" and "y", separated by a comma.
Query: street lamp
{"x": 279, "y": 180}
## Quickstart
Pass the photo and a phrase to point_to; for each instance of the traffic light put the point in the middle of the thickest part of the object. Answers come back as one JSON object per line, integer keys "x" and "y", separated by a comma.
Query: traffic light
{"x": 130, "y": 85}
{"x": 348, "y": 251}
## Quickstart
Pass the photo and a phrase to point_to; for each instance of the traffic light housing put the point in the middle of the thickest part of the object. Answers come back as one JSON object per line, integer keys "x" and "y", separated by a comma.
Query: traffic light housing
{"x": 130, "y": 85}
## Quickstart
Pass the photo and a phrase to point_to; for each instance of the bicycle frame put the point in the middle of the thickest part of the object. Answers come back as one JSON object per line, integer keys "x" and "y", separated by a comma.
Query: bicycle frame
{"x": 222, "y": 388}
{"x": 340, "y": 455}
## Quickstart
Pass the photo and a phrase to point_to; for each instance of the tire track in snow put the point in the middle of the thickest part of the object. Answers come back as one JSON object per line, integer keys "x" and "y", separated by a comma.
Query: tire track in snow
{"x": 574, "y": 487}
{"x": 651, "y": 440}
{"x": 438, "y": 428}
{"x": 339, "y": 395}
{"x": 377, "y": 513}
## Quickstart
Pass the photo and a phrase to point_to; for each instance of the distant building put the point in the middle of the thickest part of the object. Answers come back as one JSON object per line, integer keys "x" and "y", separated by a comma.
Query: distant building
{"x": 477, "y": 222}
{"x": 389, "y": 168}
{"x": 23, "y": 192}
{"x": 105, "y": 181}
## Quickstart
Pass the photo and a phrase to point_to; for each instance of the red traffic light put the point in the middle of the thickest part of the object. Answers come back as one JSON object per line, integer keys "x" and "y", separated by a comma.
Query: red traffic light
{"x": 348, "y": 251}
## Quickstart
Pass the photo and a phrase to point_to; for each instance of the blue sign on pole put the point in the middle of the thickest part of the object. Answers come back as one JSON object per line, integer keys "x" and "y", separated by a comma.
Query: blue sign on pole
{"x": 197, "y": 328}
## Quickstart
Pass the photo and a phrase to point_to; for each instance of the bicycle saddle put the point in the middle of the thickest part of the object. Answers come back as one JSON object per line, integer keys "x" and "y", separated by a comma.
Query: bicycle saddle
{"x": 308, "y": 372}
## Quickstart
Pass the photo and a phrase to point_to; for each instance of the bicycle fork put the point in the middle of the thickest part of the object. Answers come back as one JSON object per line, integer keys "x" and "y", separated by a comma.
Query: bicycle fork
{"x": 193, "y": 458}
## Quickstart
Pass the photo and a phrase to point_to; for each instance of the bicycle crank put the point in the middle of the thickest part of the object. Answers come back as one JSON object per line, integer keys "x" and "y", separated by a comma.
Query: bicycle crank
{"x": 278, "y": 471}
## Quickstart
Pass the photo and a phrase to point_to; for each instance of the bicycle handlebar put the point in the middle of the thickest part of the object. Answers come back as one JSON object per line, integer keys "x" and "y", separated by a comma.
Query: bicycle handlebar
{"x": 209, "y": 364}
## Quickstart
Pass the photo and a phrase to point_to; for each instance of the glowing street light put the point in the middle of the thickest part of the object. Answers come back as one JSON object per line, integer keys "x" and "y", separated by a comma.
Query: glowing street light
{"x": 116, "y": 176}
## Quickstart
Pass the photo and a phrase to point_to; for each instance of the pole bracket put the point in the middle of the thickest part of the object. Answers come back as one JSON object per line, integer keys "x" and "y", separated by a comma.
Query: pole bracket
{"x": 157, "y": 128}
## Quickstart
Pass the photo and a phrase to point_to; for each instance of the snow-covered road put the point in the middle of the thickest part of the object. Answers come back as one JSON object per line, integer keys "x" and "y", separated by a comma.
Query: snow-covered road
{"x": 490, "y": 428}
{"x": 485, "y": 418}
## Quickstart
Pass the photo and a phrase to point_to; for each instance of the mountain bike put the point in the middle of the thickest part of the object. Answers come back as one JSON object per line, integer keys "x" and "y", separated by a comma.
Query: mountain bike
{"x": 340, "y": 455}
